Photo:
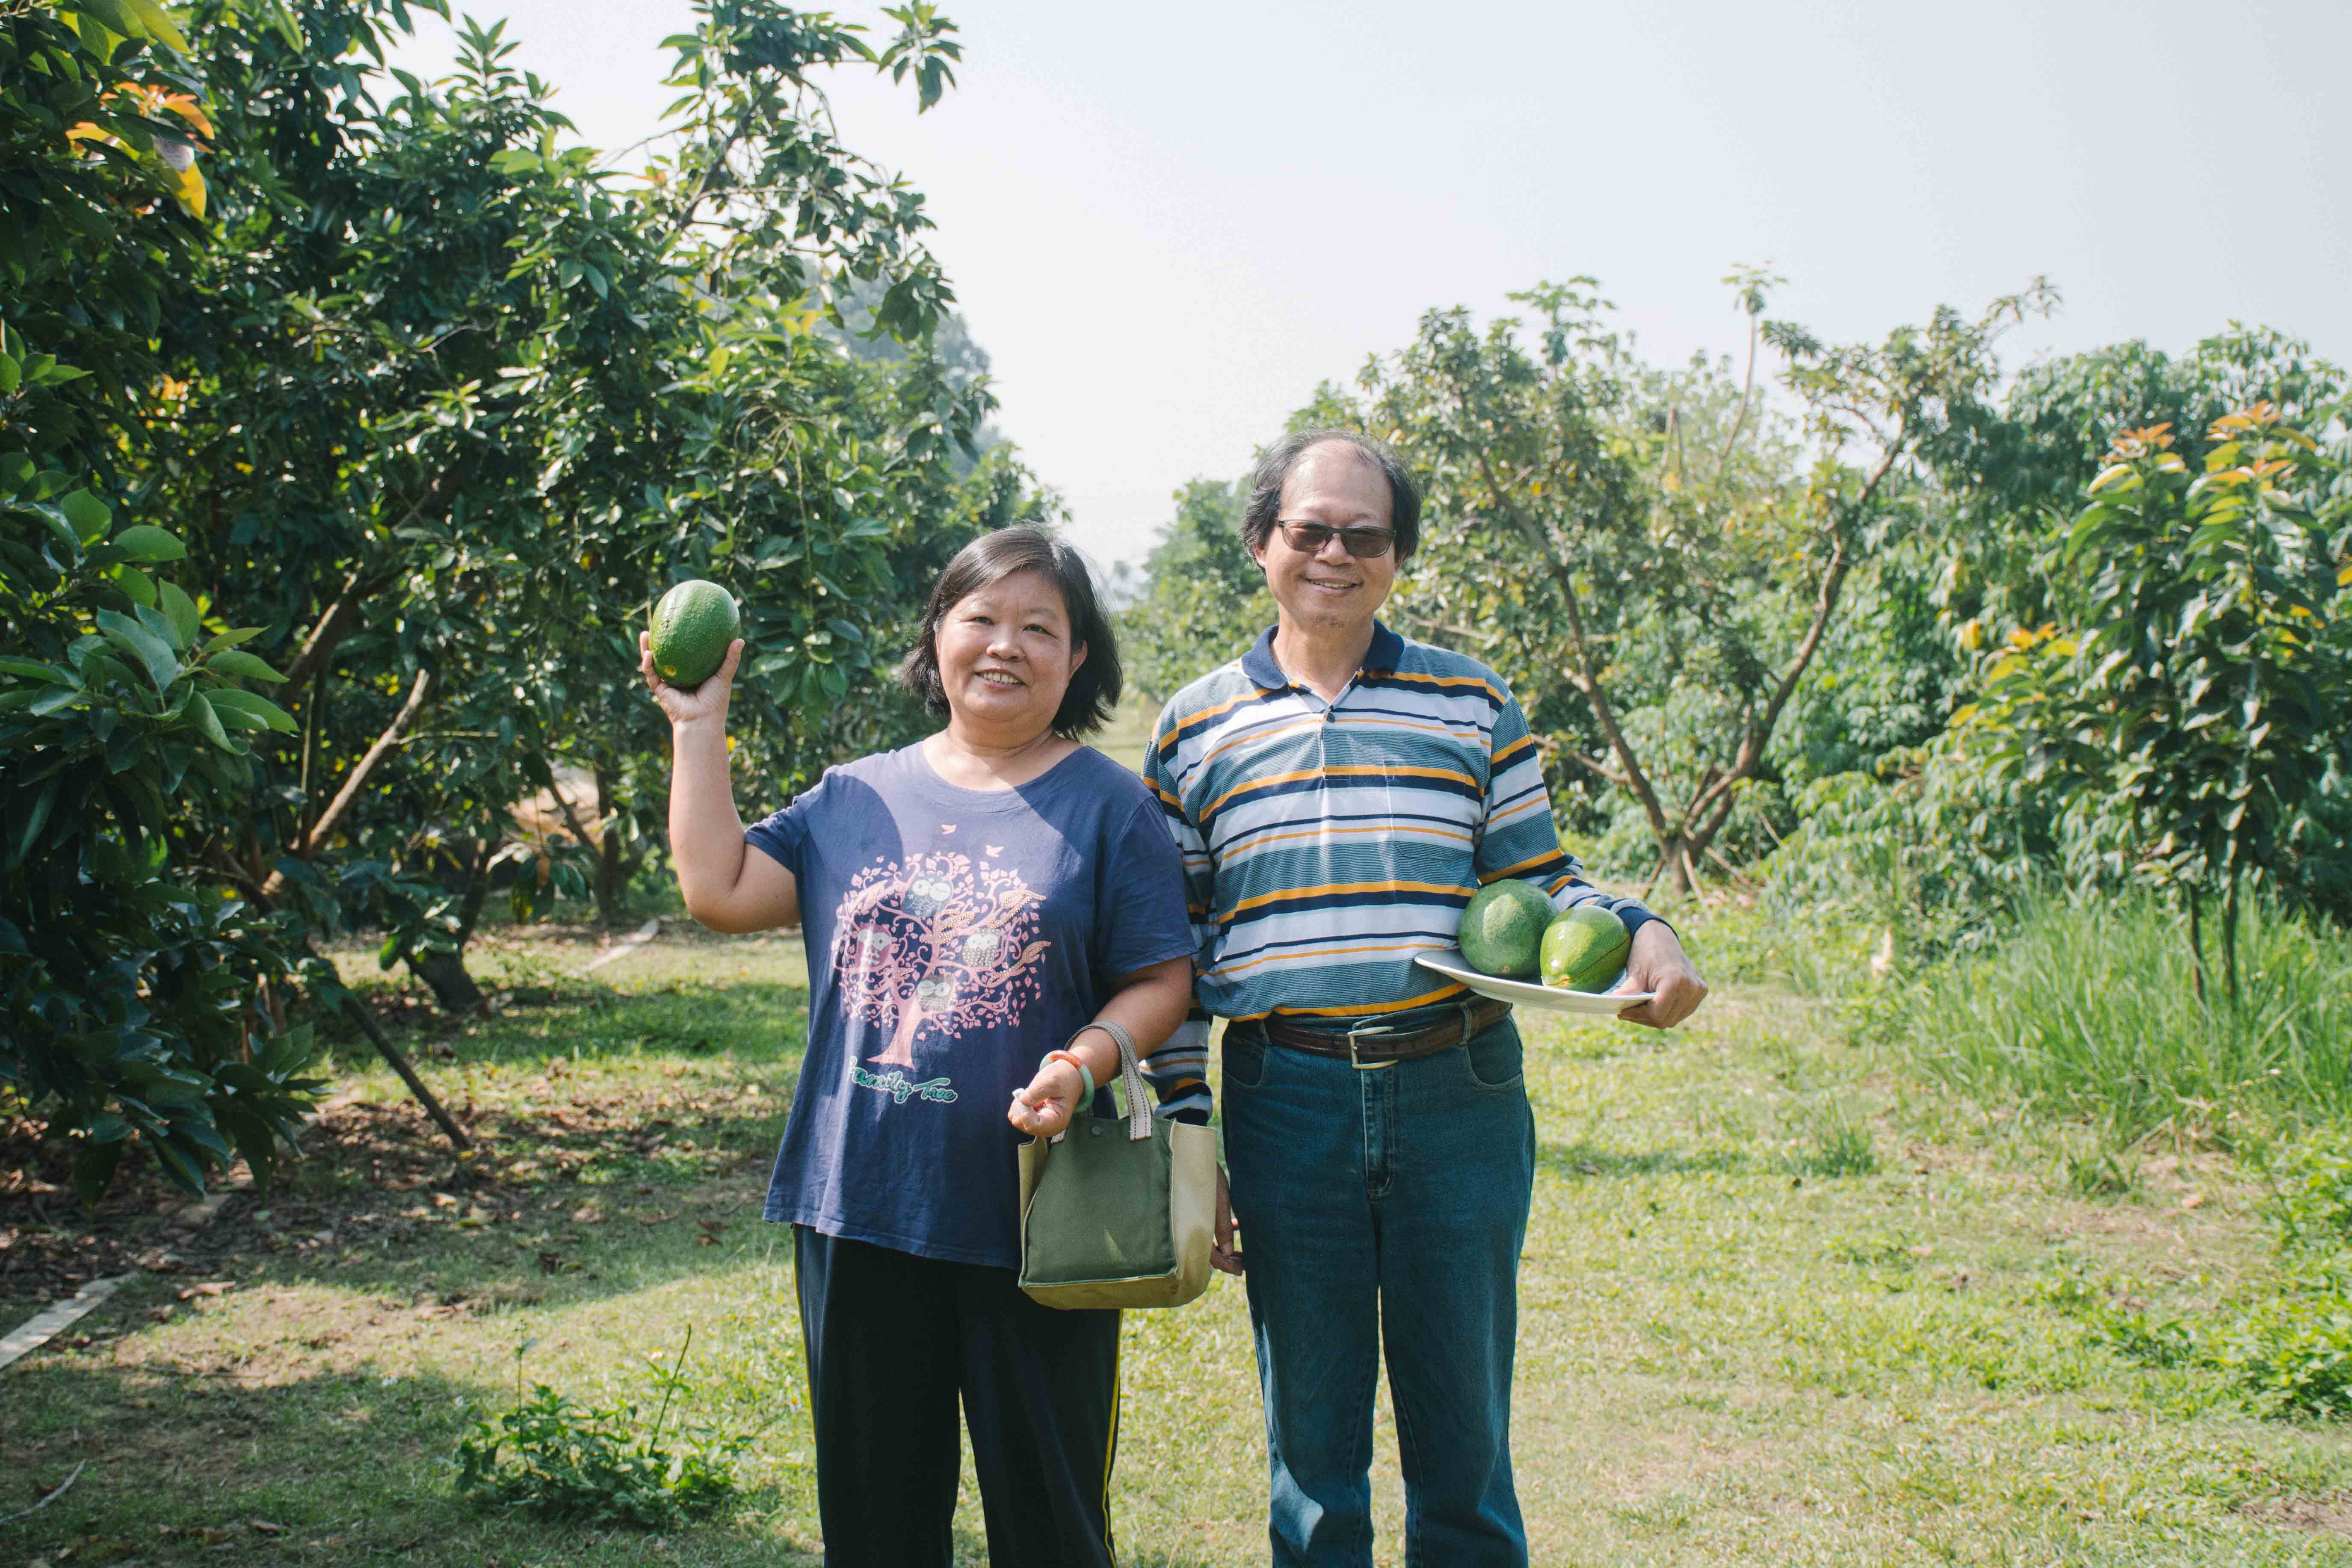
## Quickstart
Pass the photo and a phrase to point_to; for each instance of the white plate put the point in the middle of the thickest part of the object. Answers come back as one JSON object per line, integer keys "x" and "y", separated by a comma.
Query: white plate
{"x": 1527, "y": 993}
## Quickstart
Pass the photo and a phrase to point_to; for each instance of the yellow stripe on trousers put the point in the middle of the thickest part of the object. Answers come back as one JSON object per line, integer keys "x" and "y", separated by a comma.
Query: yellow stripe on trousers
{"x": 1110, "y": 1454}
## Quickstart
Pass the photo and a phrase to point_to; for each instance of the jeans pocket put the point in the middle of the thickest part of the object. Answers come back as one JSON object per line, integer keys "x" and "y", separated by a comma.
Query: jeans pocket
{"x": 1245, "y": 1058}
{"x": 1495, "y": 1059}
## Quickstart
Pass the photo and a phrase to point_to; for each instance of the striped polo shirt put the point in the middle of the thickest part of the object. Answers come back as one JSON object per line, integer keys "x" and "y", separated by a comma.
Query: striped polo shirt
{"x": 1326, "y": 845}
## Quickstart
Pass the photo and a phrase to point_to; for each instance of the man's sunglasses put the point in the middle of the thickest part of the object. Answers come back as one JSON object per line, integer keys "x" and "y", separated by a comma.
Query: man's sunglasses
{"x": 1363, "y": 543}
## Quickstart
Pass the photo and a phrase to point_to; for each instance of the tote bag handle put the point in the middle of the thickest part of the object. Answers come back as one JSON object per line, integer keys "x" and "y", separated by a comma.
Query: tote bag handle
{"x": 1130, "y": 1077}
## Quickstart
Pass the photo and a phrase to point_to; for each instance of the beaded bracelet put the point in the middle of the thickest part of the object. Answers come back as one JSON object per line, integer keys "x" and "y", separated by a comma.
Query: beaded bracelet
{"x": 1086, "y": 1073}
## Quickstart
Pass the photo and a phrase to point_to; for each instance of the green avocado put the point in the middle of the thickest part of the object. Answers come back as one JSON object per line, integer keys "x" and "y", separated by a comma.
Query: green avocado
{"x": 691, "y": 628}
{"x": 1503, "y": 929}
{"x": 1583, "y": 948}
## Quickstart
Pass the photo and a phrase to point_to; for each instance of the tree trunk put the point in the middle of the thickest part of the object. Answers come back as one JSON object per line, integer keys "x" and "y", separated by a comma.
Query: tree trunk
{"x": 445, "y": 972}
{"x": 1674, "y": 866}
{"x": 2196, "y": 943}
{"x": 445, "y": 968}
{"x": 2229, "y": 937}
{"x": 610, "y": 876}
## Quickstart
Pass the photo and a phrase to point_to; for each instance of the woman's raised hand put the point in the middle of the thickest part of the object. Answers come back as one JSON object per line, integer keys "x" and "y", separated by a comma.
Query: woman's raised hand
{"x": 708, "y": 700}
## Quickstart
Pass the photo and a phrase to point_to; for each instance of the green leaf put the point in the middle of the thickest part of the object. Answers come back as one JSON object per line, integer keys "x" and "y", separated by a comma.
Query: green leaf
{"x": 35, "y": 820}
{"x": 89, "y": 517}
{"x": 145, "y": 542}
{"x": 162, "y": 665}
{"x": 182, "y": 611}
{"x": 113, "y": 16}
{"x": 230, "y": 639}
{"x": 162, "y": 626}
{"x": 137, "y": 584}
{"x": 185, "y": 1173}
{"x": 64, "y": 534}
{"x": 12, "y": 374}
{"x": 200, "y": 708}
{"x": 33, "y": 670}
{"x": 237, "y": 662}
{"x": 257, "y": 711}
{"x": 93, "y": 1167}
{"x": 158, "y": 23}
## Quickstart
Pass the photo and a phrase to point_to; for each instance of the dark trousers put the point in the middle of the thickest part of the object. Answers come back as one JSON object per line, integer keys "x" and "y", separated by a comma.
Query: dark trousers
{"x": 893, "y": 1340}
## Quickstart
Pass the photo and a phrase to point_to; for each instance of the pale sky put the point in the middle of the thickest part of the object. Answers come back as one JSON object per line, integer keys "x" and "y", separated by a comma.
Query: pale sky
{"x": 1166, "y": 224}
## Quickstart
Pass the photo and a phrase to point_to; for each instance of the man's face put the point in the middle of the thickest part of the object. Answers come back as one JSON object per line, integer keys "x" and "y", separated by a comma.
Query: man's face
{"x": 1329, "y": 591}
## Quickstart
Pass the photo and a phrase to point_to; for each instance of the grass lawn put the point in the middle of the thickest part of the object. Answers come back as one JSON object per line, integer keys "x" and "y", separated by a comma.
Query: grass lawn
{"x": 1765, "y": 1320}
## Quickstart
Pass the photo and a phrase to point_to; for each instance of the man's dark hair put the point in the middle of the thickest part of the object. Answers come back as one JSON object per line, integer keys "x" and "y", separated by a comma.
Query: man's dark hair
{"x": 1274, "y": 472}
{"x": 993, "y": 557}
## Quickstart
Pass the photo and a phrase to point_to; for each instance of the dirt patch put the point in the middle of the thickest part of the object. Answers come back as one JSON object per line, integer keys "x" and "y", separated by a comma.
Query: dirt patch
{"x": 372, "y": 1177}
{"x": 2320, "y": 1516}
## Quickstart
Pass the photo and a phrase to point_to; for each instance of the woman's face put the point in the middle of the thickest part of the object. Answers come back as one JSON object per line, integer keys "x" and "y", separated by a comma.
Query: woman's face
{"x": 1006, "y": 655}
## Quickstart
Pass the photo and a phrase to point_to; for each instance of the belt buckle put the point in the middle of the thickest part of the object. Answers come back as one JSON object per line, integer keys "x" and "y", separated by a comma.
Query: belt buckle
{"x": 1358, "y": 1062}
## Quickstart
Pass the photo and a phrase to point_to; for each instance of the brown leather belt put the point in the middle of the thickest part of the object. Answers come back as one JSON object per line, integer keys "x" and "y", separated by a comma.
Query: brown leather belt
{"x": 1377, "y": 1044}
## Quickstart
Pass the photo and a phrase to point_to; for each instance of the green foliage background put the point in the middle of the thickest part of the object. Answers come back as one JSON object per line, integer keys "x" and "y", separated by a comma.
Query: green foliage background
{"x": 349, "y": 426}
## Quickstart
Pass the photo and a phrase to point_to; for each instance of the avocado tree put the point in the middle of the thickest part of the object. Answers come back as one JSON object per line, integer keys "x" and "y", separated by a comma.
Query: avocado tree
{"x": 431, "y": 406}
{"x": 1652, "y": 539}
{"x": 143, "y": 1005}
{"x": 514, "y": 398}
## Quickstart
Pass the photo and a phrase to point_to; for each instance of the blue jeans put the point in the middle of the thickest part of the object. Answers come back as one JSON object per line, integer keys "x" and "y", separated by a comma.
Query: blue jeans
{"x": 1384, "y": 1208}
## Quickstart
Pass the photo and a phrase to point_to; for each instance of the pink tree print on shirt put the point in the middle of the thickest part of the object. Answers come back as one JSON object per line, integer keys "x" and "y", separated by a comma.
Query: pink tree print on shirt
{"x": 932, "y": 945}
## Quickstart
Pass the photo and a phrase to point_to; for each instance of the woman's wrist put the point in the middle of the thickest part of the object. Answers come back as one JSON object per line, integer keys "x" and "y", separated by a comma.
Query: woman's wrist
{"x": 1095, "y": 1042}
{"x": 1075, "y": 1066}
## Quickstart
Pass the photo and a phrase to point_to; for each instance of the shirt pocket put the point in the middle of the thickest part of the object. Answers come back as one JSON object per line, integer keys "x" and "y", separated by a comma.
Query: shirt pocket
{"x": 1432, "y": 829}
{"x": 1419, "y": 814}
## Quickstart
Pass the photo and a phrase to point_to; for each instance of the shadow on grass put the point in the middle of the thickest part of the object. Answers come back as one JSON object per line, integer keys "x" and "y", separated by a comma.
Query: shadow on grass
{"x": 587, "y": 1022}
{"x": 340, "y": 1466}
{"x": 1585, "y": 1160}
{"x": 627, "y": 1139}
{"x": 187, "y": 1463}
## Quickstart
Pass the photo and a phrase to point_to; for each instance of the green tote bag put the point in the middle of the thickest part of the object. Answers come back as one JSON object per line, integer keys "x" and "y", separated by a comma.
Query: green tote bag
{"x": 1118, "y": 1211}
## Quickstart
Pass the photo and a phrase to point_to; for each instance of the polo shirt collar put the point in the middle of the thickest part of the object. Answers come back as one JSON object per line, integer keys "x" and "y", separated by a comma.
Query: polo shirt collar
{"x": 1259, "y": 664}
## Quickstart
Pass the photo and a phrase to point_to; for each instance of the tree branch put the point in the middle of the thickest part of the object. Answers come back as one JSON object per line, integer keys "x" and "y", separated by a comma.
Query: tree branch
{"x": 1759, "y": 728}
{"x": 303, "y": 847}
{"x": 563, "y": 803}
{"x": 319, "y": 645}
{"x": 357, "y": 587}
{"x": 1553, "y": 551}
{"x": 1747, "y": 388}
{"x": 1594, "y": 767}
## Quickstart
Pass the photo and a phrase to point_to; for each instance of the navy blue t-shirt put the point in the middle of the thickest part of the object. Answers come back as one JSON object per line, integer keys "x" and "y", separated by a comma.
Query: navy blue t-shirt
{"x": 954, "y": 936}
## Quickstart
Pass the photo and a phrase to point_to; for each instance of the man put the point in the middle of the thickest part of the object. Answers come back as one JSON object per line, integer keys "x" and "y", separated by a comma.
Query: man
{"x": 1338, "y": 793}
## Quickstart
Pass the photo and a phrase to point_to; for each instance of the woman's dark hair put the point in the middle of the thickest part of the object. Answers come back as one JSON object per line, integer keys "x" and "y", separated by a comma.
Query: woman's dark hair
{"x": 1274, "y": 472}
{"x": 993, "y": 557}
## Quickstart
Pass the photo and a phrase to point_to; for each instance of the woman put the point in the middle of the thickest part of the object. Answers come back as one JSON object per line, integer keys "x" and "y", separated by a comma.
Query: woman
{"x": 969, "y": 902}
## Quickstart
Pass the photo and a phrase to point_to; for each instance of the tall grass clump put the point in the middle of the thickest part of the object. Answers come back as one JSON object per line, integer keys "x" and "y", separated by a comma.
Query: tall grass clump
{"x": 2088, "y": 1011}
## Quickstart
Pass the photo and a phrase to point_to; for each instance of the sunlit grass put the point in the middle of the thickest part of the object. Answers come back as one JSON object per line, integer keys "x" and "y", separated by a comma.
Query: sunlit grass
{"x": 2089, "y": 1013}
{"x": 1762, "y": 1323}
